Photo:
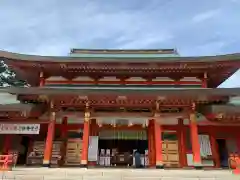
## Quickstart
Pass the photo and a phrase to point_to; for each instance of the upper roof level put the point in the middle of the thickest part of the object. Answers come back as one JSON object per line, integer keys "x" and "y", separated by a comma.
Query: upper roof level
{"x": 147, "y": 64}
{"x": 130, "y": 53}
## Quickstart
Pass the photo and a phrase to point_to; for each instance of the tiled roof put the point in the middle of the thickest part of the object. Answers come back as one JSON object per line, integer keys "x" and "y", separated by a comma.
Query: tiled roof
{"x": 145, "y": 58}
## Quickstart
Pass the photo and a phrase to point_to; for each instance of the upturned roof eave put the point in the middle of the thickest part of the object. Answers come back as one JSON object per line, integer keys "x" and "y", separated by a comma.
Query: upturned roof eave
{"x": 67, "y": 59}
{"x": 230, "y": 92}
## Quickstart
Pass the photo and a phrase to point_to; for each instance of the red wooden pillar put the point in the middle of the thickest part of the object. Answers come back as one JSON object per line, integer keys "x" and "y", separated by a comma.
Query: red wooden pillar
{"x": 86, "y": 133}
{"x": 182, "y": 144}
{"x": 29, "y": 149}
{"x": 64, "y": 127}
{"x": 214, "y": 150}
{"x": 238, "y": 144}
{"x": 151, "y": 146}
{"x": 93, "y": 127}
{"x": 7, "y": 143}
{"x": 158, "y": 144}
{"x": 149, "y": 143}
{"x": 42, "y": 80}
{"x": 64, "y": 131}
{"x": 195, "y": 141}
{"x": 49, "y": 140}
{"x": 204, "y": 81}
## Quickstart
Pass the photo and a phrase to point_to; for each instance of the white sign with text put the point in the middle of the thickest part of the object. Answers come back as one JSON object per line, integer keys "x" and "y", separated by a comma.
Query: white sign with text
{"x": 19, "y": 128}
{"x": 93, "y": 148}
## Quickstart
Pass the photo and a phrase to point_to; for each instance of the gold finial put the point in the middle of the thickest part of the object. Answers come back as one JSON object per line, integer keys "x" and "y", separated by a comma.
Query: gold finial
{"x": 51, "y": 104}
{"x": 87, "y": 105}
{"x": 205, "y": 75}
{"x": 157, "y": 106}
{"x": 53, "y": 116}
{"x": 86, "y": 116}
{"x": 41, "y": 74}
{"x": 219, "y": 116}
{"x": 193, "y": 106}
{"x": 63, "y": 66}
{"x": 24, "y": 113}
{"x": 43, "y": 98}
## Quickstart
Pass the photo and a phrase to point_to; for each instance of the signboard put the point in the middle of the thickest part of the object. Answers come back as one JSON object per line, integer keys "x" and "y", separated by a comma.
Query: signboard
{"x": 19, "y": 128}
{"x": 93, "y": 148}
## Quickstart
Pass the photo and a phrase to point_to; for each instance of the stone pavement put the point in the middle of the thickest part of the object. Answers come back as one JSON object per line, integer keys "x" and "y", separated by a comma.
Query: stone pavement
{"x": 115, "y": 174}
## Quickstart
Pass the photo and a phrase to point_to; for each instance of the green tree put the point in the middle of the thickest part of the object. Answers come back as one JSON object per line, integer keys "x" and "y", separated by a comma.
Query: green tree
{"x": 8, "y": 78}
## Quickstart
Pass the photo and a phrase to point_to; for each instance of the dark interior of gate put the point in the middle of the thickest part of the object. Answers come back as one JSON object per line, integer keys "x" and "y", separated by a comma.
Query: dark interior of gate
{"x": 118, "y": 147}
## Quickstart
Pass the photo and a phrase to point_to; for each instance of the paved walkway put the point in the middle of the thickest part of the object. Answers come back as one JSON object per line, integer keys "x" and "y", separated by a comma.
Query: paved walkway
{"x": 115, "y": 174}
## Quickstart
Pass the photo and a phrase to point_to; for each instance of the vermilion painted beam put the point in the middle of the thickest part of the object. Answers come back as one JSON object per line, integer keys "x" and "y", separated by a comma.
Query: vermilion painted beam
{"x": 127, "y": 105}
{"x": 124, "y": 127}
{"x": 126, "y": 82}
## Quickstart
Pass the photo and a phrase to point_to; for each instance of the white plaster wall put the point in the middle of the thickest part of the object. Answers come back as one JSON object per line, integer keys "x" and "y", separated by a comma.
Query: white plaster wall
{"x": 56, "y": 78}
{"x": 135, "y": 79}
{"x": 190, "y": 79}
{"x": 109, "y": 118}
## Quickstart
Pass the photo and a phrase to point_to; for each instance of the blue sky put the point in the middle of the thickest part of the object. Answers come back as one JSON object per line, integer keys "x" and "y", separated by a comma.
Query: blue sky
{"x": 52, "y": 27}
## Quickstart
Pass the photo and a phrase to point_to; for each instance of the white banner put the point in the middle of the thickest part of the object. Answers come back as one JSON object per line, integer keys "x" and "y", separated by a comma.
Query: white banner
{"x": 19, "y": 128}
{"x": 93, "y": 148}
{"x": 205, "y": 145}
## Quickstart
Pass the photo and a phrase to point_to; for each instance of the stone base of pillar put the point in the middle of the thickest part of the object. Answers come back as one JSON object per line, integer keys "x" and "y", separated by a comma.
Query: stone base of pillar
{"x": 159, "y": 165}
{"x": 75, "y": 166}
{"x": 83, "y": 166}
{"x": 46, "y": 163}
{"x": 198, "y": 166}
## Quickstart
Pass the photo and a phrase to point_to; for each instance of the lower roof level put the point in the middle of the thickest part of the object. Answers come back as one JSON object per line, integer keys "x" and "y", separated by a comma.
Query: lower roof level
{"x": 212, "y": 103}
{"x": 230, "y": 92}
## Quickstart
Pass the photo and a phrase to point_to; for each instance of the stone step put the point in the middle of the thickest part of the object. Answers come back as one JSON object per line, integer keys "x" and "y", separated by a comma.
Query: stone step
{"x": 124, "y": 178}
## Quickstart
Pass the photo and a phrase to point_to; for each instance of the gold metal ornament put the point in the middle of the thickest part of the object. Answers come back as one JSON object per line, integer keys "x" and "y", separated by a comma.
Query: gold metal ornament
{"x": 41, "y": 74}
{"x": 43, "y": 98}
{"x": 219, "y": 116}
{"x": 87, "y": 116}
{"x": 193, "y": 117}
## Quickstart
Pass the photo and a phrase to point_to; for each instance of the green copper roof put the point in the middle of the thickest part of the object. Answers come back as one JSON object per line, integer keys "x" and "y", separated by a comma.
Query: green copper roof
{"x": 231, "y": 92}
{"x": 122, "y": 55}
{"x": 134, "y": 59}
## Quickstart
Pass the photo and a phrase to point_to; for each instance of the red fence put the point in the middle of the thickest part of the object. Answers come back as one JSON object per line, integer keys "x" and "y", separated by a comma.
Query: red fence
{"x": 234, "y": 163}
{"x": 6, "y": 162}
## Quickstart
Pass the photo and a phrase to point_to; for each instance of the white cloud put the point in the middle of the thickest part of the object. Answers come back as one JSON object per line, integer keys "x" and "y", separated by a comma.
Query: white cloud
{"x": 144, "y": 41}
{"x": 205, "y": 15}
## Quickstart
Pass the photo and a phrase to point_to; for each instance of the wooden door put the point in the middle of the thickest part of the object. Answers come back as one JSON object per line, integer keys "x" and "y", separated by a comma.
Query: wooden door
{"x": 74, "y": 152}
{"x": 170, "y": 149}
